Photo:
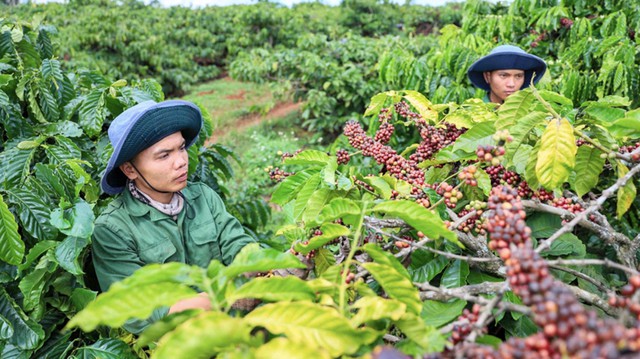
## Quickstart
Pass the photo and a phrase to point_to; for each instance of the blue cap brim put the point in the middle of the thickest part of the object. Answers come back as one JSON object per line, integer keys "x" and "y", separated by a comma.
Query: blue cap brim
{"x": 530, "y": 64}
{"x": 141, "y": 127}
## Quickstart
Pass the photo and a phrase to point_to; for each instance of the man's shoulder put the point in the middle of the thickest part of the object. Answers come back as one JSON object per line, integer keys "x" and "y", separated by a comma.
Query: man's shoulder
{"x": 111, "y": 211}
{"x": 196, "y": 189}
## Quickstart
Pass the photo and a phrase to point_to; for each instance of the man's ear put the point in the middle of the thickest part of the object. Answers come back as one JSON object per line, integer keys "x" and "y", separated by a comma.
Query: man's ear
{"x": 128, "y": 170}
{"x": 487, "y": 76}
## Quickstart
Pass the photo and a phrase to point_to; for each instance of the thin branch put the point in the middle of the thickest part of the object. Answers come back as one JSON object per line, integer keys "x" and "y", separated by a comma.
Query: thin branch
{"x": 429, "y": 292}
{"x": 597, "y": 262}
{"x": 485, "y": 315}
{"x": 463, "y": 219}
{"x": 578, "y": 274}
{"x": 600, "y": 231}
{"x": 568, "y": 227}
{"x": 592, "y": 299}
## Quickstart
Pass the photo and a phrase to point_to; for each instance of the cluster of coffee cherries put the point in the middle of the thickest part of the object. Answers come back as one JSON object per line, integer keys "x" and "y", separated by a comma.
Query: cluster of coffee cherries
{"x": 450, "y": 194}
{"x": 384, "y": 133}
{"x": 403, "y": 110}
{"x": 434, "y": 139}
{"x": 541, "y": 37}
{"x": 396, "y": 165}
{"x": 468, "y": 175}
{"x": 566, "y": 22}
{"x": 464, "y": 324}
{"x": 491, "y": 154}
{"x": 277, "y": 174}
{"x": 500, "y": 175}
{"x": 568, "y": 329}
{"x": 626, "y": 301}
{"x": 404, "y": 243}
{"x": 567, "y": 204}
{"x": 635, "y": 157}
{"x": 474, "y": 224}
{"x": 342, "y": 156}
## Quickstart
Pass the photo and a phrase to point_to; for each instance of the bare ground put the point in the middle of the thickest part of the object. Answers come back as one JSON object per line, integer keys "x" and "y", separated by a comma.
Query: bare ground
{"x": 281, "y": 109}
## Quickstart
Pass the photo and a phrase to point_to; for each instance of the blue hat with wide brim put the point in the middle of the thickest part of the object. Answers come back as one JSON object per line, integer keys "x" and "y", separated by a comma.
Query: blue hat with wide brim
{"x": 506, "y": 57}
{"x": 142, "y": 126}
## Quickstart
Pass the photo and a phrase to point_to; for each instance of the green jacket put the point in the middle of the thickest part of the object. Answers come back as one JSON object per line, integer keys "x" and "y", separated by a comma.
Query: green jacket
{"x": 129, "y": 234}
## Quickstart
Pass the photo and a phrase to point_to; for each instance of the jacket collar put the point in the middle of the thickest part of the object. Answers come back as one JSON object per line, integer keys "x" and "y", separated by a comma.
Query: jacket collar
{"x": 139, "y": 209}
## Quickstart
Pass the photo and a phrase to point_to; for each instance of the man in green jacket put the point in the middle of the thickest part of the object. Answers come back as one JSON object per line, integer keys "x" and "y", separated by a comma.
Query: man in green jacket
{"x": 157, "y": 216}
{"x": 505, "y": 70}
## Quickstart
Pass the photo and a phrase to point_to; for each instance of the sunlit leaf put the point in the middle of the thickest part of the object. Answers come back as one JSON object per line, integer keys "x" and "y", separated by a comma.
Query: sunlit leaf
{"x": 380, "y": 256}
{"x": 202, "y": 337}
{"x": 478, "y": 135}
{"x": 415, "y": 329}
{"x": 310, "y": 324}
{"x": 376, "y": 308}
{"x": 252, "y": 258}
{"x": 309, "y": 157}
{"x": 396, "y": 285}
{"x": 419, "y": 218}
{"x": 557, "y": 154}
{"x": 274, "y": 289}
{"x": 376, "y": 104}
{"x": 147, "y": 289}
{"x": 281, "y": 347}
{"x": 626, "y": 194}
{"x": 422, "y": 105}
{"x": 330, "y": 231}
{"x": 521, "y": 131}
{"x": 290, "y": 186}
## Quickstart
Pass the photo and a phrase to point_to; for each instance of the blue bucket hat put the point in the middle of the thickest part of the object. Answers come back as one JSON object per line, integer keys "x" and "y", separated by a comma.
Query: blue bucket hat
{"x": 140, "y": 127}
{"x": 506, "y": 57}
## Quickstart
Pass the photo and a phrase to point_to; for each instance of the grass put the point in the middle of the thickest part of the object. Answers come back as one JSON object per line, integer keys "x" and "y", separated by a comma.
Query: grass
{"x": 260, "y": 149}
{"x": 229, "y": 100}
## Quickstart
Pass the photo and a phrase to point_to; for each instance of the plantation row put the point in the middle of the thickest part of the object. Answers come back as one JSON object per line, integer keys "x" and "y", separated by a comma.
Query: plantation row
{"x": 336, "y": 58}
{"x": 180, "y": 47}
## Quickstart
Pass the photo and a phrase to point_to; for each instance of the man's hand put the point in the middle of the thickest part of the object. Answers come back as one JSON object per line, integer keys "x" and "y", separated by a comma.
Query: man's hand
{"x": 200, "y": 302}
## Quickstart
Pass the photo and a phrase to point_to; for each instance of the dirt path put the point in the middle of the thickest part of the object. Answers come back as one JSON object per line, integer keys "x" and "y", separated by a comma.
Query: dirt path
{"x": 282, "y": 109}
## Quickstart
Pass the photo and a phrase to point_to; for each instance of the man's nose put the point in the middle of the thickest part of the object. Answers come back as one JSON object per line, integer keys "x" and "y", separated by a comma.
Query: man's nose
{"x": 511, "y": 82}
{"x": 182, "y": 160}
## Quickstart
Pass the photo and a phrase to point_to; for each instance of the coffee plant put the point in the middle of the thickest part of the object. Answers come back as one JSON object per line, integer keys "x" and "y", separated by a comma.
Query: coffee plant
{"x": 487, "y": 237}
{"x": 53, "y": 148}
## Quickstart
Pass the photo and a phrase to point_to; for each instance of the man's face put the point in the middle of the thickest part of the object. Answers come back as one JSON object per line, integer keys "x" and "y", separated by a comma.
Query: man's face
{"x": 503, "y": 83}
{"x": 164, "y": 165}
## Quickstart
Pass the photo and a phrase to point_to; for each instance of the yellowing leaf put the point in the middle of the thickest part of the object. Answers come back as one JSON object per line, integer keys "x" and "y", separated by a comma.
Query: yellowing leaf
{"x": 626, "y": 194}
{"x": 376, "y": 308}
{"x": 309, "y": 324}
{"x": 280, "y": 347}
{"x": 422, "y": 105}
{"x": 202, "y": 337}
{"x": 419, "y": 218}
{"x": 557, "y": 154}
